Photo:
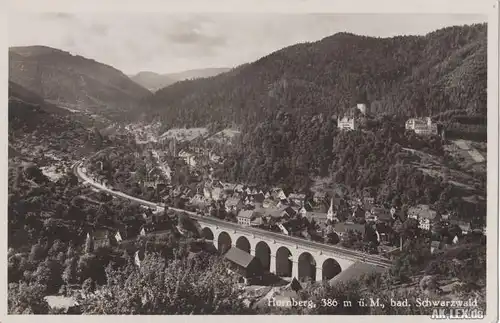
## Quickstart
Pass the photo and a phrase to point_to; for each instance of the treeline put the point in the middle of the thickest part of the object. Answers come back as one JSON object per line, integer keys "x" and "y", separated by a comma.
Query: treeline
{"x": 404, "y": 75}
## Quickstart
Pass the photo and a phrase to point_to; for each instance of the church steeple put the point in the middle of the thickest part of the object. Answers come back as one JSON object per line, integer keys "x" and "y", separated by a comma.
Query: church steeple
{"x": 330, "y": 213}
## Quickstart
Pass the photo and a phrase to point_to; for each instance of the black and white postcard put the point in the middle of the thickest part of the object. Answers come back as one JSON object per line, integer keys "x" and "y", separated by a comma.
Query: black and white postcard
{"x": 286, "y": 160}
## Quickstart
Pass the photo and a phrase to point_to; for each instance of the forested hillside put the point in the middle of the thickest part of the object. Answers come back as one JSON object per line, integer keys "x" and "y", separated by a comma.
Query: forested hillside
{"x": 35, "y": 125}
{"x": 29, "y": 112}
{"x": 74, "y": 81}
{"x": 404, "y": 75}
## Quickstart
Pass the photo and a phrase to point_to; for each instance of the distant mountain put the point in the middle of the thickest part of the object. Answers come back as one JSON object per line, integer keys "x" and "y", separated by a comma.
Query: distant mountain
{"x": 74, "y": 81}
{"x": 405, "y": 75}
{"x": 198, "y": 73}
{"x": 153, "y": 81}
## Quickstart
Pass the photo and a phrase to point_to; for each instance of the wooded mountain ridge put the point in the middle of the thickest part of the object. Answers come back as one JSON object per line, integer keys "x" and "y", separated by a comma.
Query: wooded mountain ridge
{"x": 404, "y": 75}
{"x": 74, "y": 81}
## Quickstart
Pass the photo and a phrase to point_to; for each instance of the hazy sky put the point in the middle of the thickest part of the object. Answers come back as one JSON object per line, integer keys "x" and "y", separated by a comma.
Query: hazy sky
{"x": 165, "y": 43}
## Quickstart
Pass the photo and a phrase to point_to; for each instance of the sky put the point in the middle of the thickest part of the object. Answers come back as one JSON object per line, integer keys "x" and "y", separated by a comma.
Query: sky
{"x": 166, "y": 43}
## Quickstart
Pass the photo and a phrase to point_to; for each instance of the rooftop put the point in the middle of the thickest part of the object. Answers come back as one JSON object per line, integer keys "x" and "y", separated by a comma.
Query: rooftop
{"x": 239, "y": 257}
{"x": 343, "y": 227}
{"x": 422, "y": 211}
{"x": 248, "y": 214}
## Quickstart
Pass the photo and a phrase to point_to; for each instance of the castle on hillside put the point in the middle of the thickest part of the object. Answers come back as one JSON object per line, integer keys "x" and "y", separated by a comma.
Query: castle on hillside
{"x": 422, "y": 126}
{"x": 348, "y": 122}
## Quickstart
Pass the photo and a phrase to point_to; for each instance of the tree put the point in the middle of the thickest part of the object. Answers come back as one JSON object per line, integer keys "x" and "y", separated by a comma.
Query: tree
{"x": 27, "y": 299}
{"x": 331, "y": 236}
{"x": 177, "y": 287}
{"x": 352, "y": 239}
{"x": 69, "y": 275}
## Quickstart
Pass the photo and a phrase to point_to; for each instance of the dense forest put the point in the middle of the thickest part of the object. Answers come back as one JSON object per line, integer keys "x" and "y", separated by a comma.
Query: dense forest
{"x": 369, "y": 162}
{"x": 74, "y": 81}
{"x": 404, "y": 75}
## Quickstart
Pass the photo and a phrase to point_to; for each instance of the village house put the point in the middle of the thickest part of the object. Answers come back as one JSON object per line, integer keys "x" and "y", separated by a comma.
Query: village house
{"x": 104, "y": 237}
{"x": 139, "y": 256}
{"x": 278, "y": 194}
{"x": 297, "y": 199}
{"x": 319, "y": 217}
{"x": 244, "y": 264}
{"x": 244, "y": 217}
{"x": 248, "y": 200}
{"x": 381, "y": 214}
{"x": 231, "y": 204}
{"x": 227, "y": 187}
{"x": 259, "y": 198}
{"x": 464, "y": 226}
{"x": 238, "y": 188}
{"x": 198, "y": 200}
{"x": 436, "y": 246}
{"x": 268, "y": 203}
{"x": 213, "y": 157}
{"x": 342, "y": 228}
{"x": 188, "y": 158}
{"x": 423, "y": 126}
{"x": 206, "y": 193}
{"x": 145, "y": 229}
{"x": 423, "y": 214}
{"x": 358, "y": 212}
{"x": 302, "y": 211}
{"x": 368, "y": 201}
{"x": 346, "y": 123}
{"x": 319, "y": 197}
{"x": 289, "y": 212}
{"x": 257, "y": 219}
{"x": 274, "y": 214}
{"x": 188, "y": 193}
{"x": 176, "y": 191}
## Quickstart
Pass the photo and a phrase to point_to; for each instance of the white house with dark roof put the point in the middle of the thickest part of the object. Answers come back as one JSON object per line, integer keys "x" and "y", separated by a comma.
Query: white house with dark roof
{"x": 298, "y": 199}
{"x": 245, "y": 217}
{"x": 421, "y": 126}
{"x": 346, "y": 123}
{"x": 423, "y": 214}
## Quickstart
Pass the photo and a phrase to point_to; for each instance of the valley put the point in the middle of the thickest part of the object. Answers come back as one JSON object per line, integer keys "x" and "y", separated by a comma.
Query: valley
{"x": 346, "y": 168}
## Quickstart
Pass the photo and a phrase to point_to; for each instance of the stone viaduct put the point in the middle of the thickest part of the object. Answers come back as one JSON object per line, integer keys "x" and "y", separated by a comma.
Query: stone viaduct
{"x": 280, "y": 254}
{"x": 283, "y": 255}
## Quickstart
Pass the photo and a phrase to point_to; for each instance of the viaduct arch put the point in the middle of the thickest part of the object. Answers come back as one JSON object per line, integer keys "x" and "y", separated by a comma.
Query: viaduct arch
{"x": 285, "y": 259}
